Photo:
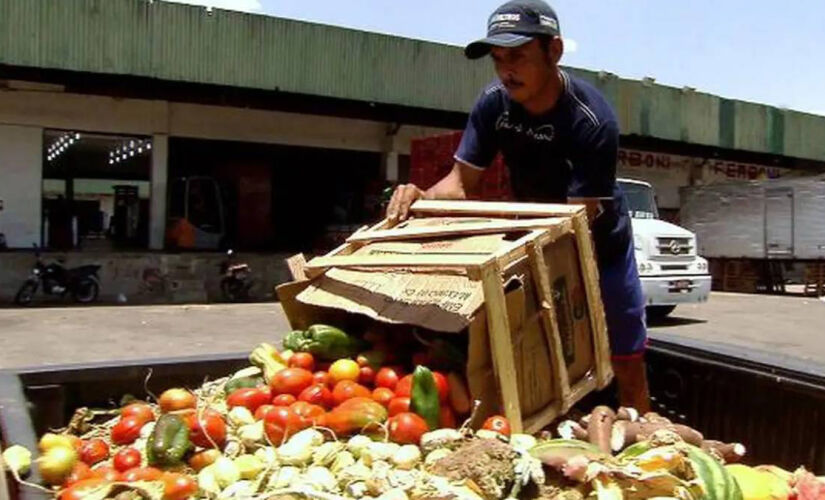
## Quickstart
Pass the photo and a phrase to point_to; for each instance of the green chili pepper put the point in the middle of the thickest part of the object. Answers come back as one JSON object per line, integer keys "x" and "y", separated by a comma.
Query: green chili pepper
{"x": 324, "y": 342}
{"x": 168, "y": 442}
{"x": 424, "y": 396}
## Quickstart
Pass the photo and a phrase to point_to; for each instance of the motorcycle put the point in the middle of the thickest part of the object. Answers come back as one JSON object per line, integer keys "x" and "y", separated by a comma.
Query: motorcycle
{"x": 81, "y": 282}
{"x": 236, "y": 282}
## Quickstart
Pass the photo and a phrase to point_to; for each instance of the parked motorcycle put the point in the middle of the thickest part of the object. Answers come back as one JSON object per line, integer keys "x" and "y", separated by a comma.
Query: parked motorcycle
{"x": 81, "y": 282}
{"x": 236, "y": 281}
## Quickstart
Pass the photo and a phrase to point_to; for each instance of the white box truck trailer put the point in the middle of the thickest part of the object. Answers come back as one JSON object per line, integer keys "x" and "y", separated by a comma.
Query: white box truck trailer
{"x": 780, "y": 219}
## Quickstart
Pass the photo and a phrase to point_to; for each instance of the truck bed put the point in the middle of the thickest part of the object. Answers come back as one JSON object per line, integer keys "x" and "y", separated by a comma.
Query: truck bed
{"x": 776, "y": 411}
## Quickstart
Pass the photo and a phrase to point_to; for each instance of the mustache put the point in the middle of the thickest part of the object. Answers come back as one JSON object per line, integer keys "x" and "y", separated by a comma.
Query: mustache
{"x": 510, "y": 81}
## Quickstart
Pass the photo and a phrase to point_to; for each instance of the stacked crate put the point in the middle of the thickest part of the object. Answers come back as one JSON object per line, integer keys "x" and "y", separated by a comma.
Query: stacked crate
{"x": 431, "y": 158}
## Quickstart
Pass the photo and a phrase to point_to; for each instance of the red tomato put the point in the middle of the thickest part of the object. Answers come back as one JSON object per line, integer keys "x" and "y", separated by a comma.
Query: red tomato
{"x": 404, "y": 387}
{"x": 498, "y": 424}
{"x": 204, "y": 458}
{"x": 94, "y": 451}
{"x": 398, "y": 405}
{"x": 317, "y": 394}
{"x": 321, "y": 378}
{"x": 176, "y": 399}
{"x": 80, "y": 471}
{"x": 142, "y": 474}
{"x": 347, "y": 389}
{"x": 81, "y": 489}
{"x": 302, "y": 360}
{"x": 210, "y": 424}
{"x": 262, "y": 410}
{"x": 383, "y": 395}
{"x": 281, "y": 423}
{"x": 407, "y": 428}
{"x": 307, "y": 411}
{"x": 140, "y": 410}
{"x": 249, "y": 398}
{"x": 283, "y": 400}
{"x": 446, "y": 418}
{"x": 443, "y": 386}
{"x": 387, "y": 377}
{"x": 177, "y": 486}
{"x": 127, "y": 458}
{"x": 107, "y": 473}
{"x": 366, "y": 375}
{"x": 126, "y": 430}
{"x": 291, "y": 381}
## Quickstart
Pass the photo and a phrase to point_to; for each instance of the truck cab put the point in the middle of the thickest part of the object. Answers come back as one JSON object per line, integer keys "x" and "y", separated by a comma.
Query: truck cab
{"x": 670, "y": 270}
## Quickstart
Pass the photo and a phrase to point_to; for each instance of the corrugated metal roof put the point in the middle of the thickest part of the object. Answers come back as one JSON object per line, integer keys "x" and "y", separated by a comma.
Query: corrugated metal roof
{"x": 185, "y": 43}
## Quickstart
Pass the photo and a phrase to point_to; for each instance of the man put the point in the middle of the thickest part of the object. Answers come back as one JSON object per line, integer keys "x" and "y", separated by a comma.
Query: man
{"x": 559, "y": 138}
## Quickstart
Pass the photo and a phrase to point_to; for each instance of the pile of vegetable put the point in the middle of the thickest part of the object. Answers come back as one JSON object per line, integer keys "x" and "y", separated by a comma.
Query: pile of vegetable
{"x": 332, "y": 416}
{"x": 622, "y": 454}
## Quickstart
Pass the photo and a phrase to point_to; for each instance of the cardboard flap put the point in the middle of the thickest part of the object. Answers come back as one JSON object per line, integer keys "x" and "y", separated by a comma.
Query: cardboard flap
{"x": 440, "y": 302}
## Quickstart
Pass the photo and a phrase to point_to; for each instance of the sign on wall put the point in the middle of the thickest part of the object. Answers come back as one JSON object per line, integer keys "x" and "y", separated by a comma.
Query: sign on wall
{"x": 669, "y": 172}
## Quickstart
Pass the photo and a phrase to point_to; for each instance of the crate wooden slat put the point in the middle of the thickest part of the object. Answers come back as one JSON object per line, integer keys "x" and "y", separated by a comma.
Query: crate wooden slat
{"x": 544, "y": 225}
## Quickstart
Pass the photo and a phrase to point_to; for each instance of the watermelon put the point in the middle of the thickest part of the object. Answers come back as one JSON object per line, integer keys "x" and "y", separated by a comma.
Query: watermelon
{"x": 717, "y": 482}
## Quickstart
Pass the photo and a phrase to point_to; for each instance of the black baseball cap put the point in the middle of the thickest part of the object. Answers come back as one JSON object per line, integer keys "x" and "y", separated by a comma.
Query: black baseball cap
{"x": 514, "y": 24}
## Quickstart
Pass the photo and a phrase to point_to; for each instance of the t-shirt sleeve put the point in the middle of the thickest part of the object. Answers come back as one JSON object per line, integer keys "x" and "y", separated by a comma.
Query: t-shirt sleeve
{"x": 478, "y": 145}
{"x": 594, "y": 164}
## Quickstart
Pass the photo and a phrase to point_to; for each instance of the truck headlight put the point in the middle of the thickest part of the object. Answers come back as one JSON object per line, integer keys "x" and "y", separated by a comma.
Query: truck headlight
{"x": 645, "y": 267}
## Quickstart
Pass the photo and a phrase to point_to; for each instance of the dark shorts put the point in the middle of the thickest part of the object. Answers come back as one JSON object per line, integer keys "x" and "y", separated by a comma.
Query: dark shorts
{"x": 624, "y": 305}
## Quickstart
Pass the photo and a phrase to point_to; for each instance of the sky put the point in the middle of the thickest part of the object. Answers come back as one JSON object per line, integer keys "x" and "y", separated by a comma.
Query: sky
{"x": 759, "y": 51}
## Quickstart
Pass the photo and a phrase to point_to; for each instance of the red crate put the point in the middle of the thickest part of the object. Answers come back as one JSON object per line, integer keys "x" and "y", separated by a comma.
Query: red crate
{"x": 431, "y": 158}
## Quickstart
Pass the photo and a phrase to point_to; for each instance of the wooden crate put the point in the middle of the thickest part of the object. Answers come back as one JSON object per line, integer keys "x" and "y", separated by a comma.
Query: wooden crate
{"x": 524, "y": 346}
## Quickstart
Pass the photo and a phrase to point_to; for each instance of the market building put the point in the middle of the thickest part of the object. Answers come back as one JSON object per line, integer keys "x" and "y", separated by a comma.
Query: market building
{"x": 146, "y": 135}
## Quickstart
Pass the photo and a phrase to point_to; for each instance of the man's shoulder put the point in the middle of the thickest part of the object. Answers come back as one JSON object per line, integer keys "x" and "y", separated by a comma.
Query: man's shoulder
{"x": 589, "y": 104}
{"x": 493, "y": 97}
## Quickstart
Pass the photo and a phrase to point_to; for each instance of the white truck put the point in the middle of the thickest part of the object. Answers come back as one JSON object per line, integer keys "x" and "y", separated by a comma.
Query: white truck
{"x": 670, "y": 269}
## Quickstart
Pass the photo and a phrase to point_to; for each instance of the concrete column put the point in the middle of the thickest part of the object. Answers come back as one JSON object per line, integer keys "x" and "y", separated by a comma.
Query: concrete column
{"x": 389, "y": 153}
{"x": 391, "y": 166}
{"x": 159, "y": 177}
{"x": 21, "y": 184}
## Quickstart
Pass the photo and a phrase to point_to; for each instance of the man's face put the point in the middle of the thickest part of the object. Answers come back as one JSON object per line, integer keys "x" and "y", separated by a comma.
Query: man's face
{"x": 526, "y": 70}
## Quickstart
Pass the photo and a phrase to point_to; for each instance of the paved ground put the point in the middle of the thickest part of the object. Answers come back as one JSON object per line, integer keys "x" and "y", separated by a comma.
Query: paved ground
{"x": 790, "y": 328}
{"x": 41, "y": 336}
{"x": 774, "y": 329}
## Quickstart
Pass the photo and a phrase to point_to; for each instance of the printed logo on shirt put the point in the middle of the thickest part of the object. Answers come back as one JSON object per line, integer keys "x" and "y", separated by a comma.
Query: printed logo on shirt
{"x": 542, "y": 133}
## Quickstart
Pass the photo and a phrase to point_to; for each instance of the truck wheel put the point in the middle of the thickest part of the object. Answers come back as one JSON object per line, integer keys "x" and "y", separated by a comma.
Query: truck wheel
{"x": 659, "y": 312}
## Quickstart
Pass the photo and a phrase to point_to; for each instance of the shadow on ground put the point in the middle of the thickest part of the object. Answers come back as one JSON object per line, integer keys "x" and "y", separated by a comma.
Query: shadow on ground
{"x": 673, "y": 321}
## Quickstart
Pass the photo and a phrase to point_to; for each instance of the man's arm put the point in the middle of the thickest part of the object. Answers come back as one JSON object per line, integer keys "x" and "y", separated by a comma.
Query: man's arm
{"x": 461, "y": 181}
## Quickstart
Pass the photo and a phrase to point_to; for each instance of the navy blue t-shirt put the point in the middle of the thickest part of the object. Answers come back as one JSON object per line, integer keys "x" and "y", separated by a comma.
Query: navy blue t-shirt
{"x": 569, "y": 151}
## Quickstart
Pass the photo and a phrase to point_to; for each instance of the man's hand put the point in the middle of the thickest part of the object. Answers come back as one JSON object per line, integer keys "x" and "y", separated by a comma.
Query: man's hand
{"x": 402, "y": 199}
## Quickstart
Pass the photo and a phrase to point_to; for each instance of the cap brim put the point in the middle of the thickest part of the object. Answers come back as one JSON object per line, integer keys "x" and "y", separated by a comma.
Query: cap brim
{"x": 481, "y": 48}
